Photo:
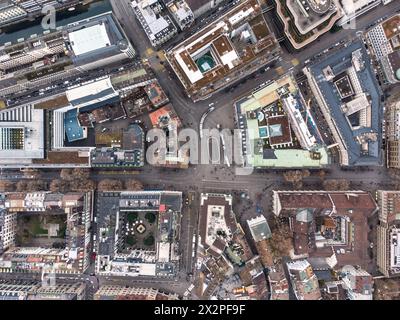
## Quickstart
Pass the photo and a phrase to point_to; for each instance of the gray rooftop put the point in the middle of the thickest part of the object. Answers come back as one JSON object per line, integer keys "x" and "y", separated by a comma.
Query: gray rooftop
{"x": 339, "y": 62}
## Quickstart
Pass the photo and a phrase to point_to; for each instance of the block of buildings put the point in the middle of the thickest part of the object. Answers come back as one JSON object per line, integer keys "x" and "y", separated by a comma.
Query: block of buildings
{"x": 222, "y": 245}
{"x": 278, "y": 129}
{"x": 388, "y": 248}
{"x": 45, "y": 232}
{"x": 128, "y": 152}
{"x": 12, "y": 290}
{"x": 63, "y": 54}
{"x": 330, "y": 228}
{"x": 220, "y": 234}
{"x": 393, "y": 134}
{"x": 254, "y": 282}
{"x": 137, "y": 233}
{"x": 306, "y": 20}
{"x": 384, "y": 41}
{"x": 155, "y": 21}
{"x": 166, "y": 119}
{"x": 73, "y": 128}
{"x": 358, "y": 283}
{"x": 349, "y": 96}
{"x": 304, "y": 282}
{"x": 225, "y": 51}
{"x": 18, "y": 11}
{"x": 110, "y": 292}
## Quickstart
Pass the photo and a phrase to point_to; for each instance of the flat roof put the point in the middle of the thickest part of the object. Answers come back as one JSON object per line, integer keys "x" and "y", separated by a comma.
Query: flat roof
{"x": 252, "y": 132}
{"x": 89, "y": 39}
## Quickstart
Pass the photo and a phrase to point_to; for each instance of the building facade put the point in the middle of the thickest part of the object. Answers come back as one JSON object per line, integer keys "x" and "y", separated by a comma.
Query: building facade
{"x": 393, "y": 135}
{"x": 388, "y": 230}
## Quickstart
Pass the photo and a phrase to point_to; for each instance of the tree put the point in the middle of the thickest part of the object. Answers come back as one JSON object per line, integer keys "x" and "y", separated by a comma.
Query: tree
{"x": 150, "y": 217}
{"x": 322, "y": 174}
{"x": 6, "y": 186}
{"x": 81, "y": 173}
{"x": 59, "y": 185}
{"x": 22, "y": 186}
{"x": 110, "y": 185}
{"x": 30, "y": 186}
{"x": 296, "y": 177}
{"x": 336, "y": 185}
{"x": 32, "y": 173}
{"x": 133, "y": 185}
{"x": 281, "y": 242}
{"x": 149, "y": 241}
{"x": 82, "y": 185}
{"x": 66, "y": 174}
{"x": 36, "y": 185}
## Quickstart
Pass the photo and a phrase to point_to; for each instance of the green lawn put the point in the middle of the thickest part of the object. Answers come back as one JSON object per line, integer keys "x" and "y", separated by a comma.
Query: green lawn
{"x": 36, "y": 228}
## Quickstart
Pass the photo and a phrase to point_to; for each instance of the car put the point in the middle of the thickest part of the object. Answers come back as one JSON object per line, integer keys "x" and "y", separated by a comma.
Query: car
{"x": 104, "y": 130}
{"x": 211, "y": 104}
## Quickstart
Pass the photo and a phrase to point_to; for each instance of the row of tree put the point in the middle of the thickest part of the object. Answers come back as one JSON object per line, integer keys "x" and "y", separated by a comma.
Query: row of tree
{"x": 296, "y": 177}
{"x": 75, "y": 180}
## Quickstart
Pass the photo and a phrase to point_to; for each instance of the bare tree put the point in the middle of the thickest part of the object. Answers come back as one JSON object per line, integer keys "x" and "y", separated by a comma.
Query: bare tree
{"x": 81, "y": 173}
{"x": 59, "y": 185}
{"x": 32, "y": 173}
{"x": 296, "y": 177}
{"x": 336, "y": 185}
{"x": 322, "y": 174}
{"x": 6, "y": 186}
{"x": 82, "y": 185}
{"x": 21, "y": 186}
{"x": 30, "y": 186}
{"x": 133, "y": 185}
{"x": 66, "y": 174}
{"x": 281, "y": 242}
{"x": 110, "y": 185}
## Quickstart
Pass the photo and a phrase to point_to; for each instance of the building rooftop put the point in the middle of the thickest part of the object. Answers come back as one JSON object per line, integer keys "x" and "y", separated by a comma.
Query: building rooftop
{"x": 212, "y": 58}
{"x": 277, "y": 128}
{"x": 319, "y": 221}
{"x": 351, "y": 100}
{"x": 21, "y": 134}
{"x": 259, "y": 228}
{"x": 51, "y": 216}
{"x": 118, "y": 254}
{"x": 89, "y": 39}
